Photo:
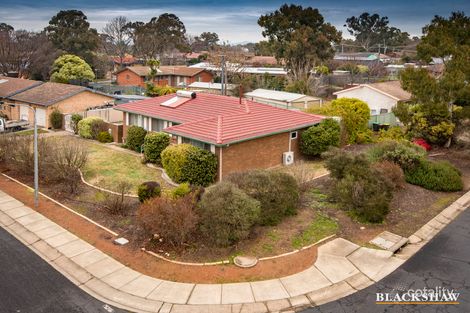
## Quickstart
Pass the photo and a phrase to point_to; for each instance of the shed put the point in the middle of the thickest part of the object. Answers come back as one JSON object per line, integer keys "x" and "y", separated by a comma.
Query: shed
{"x": 287, "y": 100}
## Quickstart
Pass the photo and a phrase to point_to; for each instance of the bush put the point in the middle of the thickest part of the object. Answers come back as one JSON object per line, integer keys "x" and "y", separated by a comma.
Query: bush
{"x": 147, "y": 190}
{"x": 181, "y": 191}
{"x": 118, "y": 204}
{"x": 364, "y": 136}
{"x": 277, "y": 192}
{"x": 74, "y": 122}
{"x": 173, "y": 159}
{"x": 317, "y": 139}
{"x": 355, "y": 115}
{"x": 98, "y": 127}
{"x": 359, "y": 188}
{"x": 404, "y": 153}
{"x": 227, "y": 214}
{"x": 154, "y": 144}
{"x": 391, "y": 173}
{"x": 85, "y": 126}
{"x": 187, "y": 163}
{"x": 135, "y": 138}
{"x": 172, "y": 220}
{"x": 104, "y": 137}
{"x": 437, "y": 176}
{"x": 393, "y": 133}
{"x": 200, "y": 168}
{"x": 56, "y": 119}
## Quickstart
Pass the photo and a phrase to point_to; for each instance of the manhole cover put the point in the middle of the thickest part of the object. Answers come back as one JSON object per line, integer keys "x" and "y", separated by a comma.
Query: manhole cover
{"x": 245, "y": 261}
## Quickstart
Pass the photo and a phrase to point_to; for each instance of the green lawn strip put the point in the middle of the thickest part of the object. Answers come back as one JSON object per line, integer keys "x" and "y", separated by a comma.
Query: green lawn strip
{"x": 320, "y": 228}
{"x": 106, "y": 168}
{"x": 30, "y": 132}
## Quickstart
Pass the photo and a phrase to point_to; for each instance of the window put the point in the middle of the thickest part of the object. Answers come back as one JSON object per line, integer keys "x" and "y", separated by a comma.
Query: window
{"x": 128, "y": 76}
{"x": 133, "y": 119}
{"x": 293, "y": 135}
{"x": 383, "y": 111}
{"x": 157, "y": 125}
{"x": 373, "y": 112}
{"x": 197, "y": 143}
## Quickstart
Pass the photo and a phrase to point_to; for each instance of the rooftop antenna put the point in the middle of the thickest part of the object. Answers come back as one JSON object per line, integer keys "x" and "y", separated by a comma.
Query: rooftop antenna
{"x": 222, "y": 76}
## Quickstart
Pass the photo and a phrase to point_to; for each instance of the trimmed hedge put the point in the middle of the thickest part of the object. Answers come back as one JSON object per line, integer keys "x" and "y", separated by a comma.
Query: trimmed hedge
{"x": 56, "y": 119}
{"x": 154, "y": 144}
{"x": 85, "y": 126}
{"x": 318, "y": 138}
{"x": 135, "y": 138}
{"x": 187, "y": 163}
{"x": 277, "y": 192}
{"x": 104, "y": 137}
{"x": 147, "y": 190}
{"x": 226, "y": 214}
{"x": 437, "y": 176}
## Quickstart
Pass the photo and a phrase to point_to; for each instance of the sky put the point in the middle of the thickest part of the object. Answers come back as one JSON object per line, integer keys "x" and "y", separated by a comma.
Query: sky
{"x": 234, "y": 21}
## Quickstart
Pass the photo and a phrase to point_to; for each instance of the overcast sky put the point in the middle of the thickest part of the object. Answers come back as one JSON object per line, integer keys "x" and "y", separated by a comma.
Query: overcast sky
{"x": 234, "y": 21}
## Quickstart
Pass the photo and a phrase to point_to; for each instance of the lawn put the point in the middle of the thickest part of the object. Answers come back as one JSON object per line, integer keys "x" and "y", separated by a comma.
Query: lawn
{"x": 107, "y": 168}
{"x": 30, "y": 132}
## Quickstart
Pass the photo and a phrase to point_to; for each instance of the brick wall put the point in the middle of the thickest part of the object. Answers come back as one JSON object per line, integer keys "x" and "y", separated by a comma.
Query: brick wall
{"x": 258, "y": 153}
{"x": 129, "y": 78}
{"x": 116, "y": 131}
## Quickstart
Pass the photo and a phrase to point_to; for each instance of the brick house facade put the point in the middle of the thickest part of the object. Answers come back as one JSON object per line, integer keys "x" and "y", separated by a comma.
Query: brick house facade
{"x": 243, "y": 135}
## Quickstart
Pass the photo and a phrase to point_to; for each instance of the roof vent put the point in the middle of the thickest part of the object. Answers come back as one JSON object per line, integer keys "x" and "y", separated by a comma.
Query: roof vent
{"x": 186, "y": 94}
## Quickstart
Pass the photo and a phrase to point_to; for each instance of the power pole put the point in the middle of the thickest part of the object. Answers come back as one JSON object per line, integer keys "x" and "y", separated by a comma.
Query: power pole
{"x": 222, "y": 76}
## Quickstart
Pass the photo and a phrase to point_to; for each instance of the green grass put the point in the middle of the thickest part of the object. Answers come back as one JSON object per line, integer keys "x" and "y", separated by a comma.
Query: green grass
{"x": 320, "y": 228}
{"x": 30, "y": 132}
{"x": 106, "y": 168}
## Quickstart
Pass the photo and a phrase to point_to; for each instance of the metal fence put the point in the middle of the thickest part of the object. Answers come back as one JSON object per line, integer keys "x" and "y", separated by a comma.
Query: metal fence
{"x": 383, "y": 119}
{"x": 115, "y": 89}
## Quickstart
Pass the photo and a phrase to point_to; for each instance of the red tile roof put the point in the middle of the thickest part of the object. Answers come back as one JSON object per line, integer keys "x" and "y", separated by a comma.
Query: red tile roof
{"x": 222, "y": 120}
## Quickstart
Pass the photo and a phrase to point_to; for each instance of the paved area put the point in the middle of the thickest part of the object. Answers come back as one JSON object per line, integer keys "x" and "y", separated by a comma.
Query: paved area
{"x": 443, "y": 262}
{"x": 341, "y": 269}
{"x": 29, "y": 284}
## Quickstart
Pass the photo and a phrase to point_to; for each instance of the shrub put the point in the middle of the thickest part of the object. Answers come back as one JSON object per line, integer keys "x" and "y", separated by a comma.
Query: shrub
{"x": 147, "y": 190}
{"x": 181, "y": 191}
{"x": 104, "y": 137}
{"x": 135, "y": 138}
{"x": 173, "y": 159}
{"x": 187, "y": 163}
{"x": 97, "y": 127}
{"x": 437, "y": 176}
{"x": 317, "y": 139}
{"x": 154, "y": 144}
{"x": 200, "y": 168}
{"x": 359, "y": 189}
{"x": 403, "y": 153}
{"x": 56, "y": 119}
{"x": 74, "y": 122}
{"x": 277, "y": 192}
{"x": 364, "y": 136}
{"x": 391, "y": 173}
{"x": 354, "y": 115}
{"x": 422, "y": 143}
{"x": 393, "y": 133}
{"x": 85, "y": 126}
{"x": 118, "y": 204}
{"x": 227, "y": 214}
{"x": 172, "y": 220}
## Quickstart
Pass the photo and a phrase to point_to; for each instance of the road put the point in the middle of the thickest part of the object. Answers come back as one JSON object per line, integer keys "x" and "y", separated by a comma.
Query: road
{"x": 28, "y": 284}
{"x": 443, "y": 262}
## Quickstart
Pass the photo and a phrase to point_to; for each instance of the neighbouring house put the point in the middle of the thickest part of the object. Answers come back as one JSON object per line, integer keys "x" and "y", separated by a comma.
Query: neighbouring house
{"x": 270, "y": 71}
{"x": 261, "y": 60}
{"x": 214, "y": 88}
{"x": 10, "y": 86}
{"x": 243, "y": 134}
{"x": 175, "y": 76}
{"x": 127, "y": 60}
{"x": 45, "y": 97}
{"x": 361, "y": 57}
{"x": 381, "y": 97}
{"x": 286, "y": 100}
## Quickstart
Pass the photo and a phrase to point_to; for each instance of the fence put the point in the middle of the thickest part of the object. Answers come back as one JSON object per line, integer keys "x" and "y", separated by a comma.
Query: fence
{"x": 115, "y": 89}
{"x": 109, "y": 114}
{"x": 383, "y": 119}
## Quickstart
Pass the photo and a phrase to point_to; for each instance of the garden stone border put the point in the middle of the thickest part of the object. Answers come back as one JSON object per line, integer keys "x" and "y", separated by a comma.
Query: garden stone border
{"x": 341, "y": 269}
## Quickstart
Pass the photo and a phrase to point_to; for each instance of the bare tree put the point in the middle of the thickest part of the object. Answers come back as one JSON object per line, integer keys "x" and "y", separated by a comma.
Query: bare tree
{"x": 118, "y": 36}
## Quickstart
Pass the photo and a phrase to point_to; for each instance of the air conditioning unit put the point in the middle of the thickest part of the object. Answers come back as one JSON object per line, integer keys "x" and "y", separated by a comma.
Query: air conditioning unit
{"x": 288, "y": 158}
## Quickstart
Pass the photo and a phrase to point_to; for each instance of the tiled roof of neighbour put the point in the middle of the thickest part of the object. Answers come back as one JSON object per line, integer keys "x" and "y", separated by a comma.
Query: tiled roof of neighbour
{"x": 140, "y": 70}
{"x": 263, "y": 59}
{"x": 390, "y": 88}
{"x": 49, "y": 93}
{"x": 180, "y": 70}
{"x": 10, "y": 86}
{"x": 221, "y": 119}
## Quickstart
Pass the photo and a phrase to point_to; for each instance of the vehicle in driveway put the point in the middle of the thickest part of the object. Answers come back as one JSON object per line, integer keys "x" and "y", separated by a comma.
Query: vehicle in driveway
{"x": 7, "y": 126}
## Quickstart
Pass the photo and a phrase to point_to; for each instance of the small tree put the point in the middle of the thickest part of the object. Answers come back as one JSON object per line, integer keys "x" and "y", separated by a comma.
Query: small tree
{"x": 86, "y": 128}
{"x": 318, "y": 138}
{"x": 74, "y": 122}
{"x": 70, "y": 67}
{"x": 355, "y": 115}
{"x": 56, "y": 119}
{"x": 227, "y": 214}
{"x": 154, "y": 144}
{"x": 135, "y": 138}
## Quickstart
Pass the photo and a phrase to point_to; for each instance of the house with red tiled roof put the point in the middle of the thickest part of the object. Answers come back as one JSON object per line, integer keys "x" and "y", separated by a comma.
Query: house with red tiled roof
{"x": 175, "y": 76}
{"x": 243, "y": 134}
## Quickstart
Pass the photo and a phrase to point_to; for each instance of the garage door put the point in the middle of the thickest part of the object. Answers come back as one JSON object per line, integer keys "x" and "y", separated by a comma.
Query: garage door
{"x": 41, "y": 117}
{"x": 24, "y": 112}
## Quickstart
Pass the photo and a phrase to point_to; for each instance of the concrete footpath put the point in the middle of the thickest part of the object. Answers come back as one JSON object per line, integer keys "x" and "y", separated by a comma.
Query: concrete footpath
{"x": 341, "y": 268}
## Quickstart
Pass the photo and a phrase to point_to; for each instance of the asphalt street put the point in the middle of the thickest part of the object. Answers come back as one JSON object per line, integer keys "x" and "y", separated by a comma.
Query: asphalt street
{"x": 443, "y": 262}
{"x": 28, "y": 284}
